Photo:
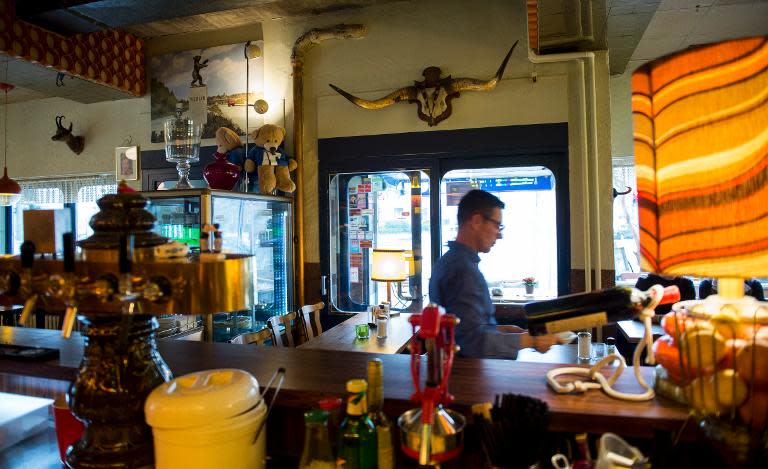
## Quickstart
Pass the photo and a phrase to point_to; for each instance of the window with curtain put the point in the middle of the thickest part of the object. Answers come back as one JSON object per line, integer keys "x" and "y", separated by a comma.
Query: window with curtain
{"x": 78, "y": 193}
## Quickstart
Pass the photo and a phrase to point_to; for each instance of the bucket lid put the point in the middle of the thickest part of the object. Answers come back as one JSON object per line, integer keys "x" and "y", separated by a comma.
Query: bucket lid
{"x": 202, "y": 398}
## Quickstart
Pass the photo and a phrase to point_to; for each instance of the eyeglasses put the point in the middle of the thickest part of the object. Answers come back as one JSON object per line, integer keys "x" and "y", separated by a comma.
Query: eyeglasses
{"x": 498, "y": 224}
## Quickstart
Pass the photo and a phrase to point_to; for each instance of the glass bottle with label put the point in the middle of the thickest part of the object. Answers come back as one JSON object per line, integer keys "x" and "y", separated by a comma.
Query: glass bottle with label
{"x": 385, "y": 451}
{"x": 590, "y": 309}
{"x": 357, "y": 444}
{"x": 317, "y": 449}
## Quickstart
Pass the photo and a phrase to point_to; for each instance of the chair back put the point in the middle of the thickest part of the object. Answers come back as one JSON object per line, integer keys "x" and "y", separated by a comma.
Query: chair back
{"x": 287, "y": 321}
{"x": 254, "y": 338}
{"x": 310, "y": 318}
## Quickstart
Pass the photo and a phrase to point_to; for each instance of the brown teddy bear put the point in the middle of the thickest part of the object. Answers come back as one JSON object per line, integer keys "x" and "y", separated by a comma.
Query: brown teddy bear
{"x": 272, "y": 167}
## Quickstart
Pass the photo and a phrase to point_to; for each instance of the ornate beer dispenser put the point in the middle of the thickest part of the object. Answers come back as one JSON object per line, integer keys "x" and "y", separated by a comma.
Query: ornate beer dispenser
{"x": 431, "y": 433}
{"x": 115, "y": 289}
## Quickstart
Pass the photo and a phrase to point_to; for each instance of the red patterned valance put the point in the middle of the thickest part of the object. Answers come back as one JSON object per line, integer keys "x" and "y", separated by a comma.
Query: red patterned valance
{"x": 113, "y": 57}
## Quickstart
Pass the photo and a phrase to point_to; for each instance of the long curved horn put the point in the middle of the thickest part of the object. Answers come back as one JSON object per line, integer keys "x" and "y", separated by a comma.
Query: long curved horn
{"x": 473, "y": 84}
{"x": 403, "y": 94}
{"x": 58, "y": 120}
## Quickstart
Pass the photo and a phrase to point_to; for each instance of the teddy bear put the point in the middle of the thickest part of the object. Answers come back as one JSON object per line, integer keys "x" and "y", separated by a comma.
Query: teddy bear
{"x": 229, "y": 143}
{"x": 272, "y": 167}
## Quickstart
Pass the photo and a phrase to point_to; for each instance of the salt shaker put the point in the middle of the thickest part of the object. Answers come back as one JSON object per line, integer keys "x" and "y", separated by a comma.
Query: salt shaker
{"x": 584, "y": 345}
{"x": 381, "y": 326}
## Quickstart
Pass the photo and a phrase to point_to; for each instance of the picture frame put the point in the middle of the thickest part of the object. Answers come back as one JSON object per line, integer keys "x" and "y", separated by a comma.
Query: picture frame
{"x": 127, "y": 163}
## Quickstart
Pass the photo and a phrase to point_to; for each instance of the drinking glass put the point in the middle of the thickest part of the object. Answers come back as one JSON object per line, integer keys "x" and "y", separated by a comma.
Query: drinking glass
{"x": 361, "y": 331}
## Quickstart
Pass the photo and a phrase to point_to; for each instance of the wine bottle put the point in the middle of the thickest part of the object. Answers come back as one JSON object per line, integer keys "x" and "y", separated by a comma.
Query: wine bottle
{"x": 385, "y": 452}
{"x": 590, "y": 309}
{"x": 585, "y": 458}
{"x": 357, "y": 445}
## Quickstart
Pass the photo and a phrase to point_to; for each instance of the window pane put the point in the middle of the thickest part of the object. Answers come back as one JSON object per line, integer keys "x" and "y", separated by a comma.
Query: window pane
{"x": 528, "y": 247}
{"x": 626, "y": 254}
{"x": 50, "y": 194}
{"x": 378, "y": 210}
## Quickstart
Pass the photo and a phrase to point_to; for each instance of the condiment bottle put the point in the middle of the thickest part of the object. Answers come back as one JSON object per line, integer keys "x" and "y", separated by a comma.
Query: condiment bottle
{"x": 357, "y": 443}
{"x": 317, "y": 449}
{"x": 332, "y": 405}
{"x": 385, "y": 451}
{"x": 217, "y": 239}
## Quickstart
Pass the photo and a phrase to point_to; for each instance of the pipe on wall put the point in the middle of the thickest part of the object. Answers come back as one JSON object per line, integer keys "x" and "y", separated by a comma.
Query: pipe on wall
{"x": 300, "y": 48}
{"x": 589, "y": 174}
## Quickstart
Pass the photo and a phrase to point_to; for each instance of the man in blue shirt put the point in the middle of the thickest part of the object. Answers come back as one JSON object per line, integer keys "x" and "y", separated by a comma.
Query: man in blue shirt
{"x": 458, "y": 285}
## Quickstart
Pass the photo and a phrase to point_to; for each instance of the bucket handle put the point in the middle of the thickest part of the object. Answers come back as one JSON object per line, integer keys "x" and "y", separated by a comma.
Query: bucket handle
{"x": 281, "y": 372}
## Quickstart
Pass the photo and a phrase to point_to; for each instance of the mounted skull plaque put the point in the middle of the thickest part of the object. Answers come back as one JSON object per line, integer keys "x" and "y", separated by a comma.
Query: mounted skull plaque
{"x": 433, "y": 95}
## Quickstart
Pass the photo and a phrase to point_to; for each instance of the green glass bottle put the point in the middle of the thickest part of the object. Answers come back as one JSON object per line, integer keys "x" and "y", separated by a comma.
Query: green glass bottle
{"x": 385, "y": 452}
{"x": 357, "y": 442}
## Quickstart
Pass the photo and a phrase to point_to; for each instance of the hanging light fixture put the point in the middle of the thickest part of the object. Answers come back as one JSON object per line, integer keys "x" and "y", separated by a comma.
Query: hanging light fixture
{"x": 10, "y": 191}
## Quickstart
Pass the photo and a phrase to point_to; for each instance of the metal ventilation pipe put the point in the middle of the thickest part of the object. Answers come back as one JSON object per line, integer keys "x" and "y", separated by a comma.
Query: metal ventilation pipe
{"x": 300, "y": 47}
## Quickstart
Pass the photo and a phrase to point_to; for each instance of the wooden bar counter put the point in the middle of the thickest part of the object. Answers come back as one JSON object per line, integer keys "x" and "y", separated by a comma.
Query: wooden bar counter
{"x": 312, "y": 374}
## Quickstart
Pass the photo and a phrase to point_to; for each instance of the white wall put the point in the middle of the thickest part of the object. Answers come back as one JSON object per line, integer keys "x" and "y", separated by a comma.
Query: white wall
{"x": 463, "y": 38}
{"x": 622, "y": 143}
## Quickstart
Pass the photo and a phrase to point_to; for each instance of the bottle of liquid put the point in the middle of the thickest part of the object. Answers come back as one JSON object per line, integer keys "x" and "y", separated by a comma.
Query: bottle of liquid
{"x": 385, "y": 451}
{"x": 584, "y": 460}
{"x": 317, "y": 449}
{"x": 590, "y": 309}
{"x": 357, "y": 443}
{"x": 217, "y": 239}
{"x": 332, "y": 405}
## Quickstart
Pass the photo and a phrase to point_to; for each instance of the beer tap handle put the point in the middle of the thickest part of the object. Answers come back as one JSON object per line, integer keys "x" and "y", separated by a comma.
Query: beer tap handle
{"x": 70, "y": 314}
{"x": 69, "y": 253}
{"x": 27, "y": 261}
{"x": 125, "y": 265}
{"x": 27, "y": 254}
{"x": 125, "y": 254}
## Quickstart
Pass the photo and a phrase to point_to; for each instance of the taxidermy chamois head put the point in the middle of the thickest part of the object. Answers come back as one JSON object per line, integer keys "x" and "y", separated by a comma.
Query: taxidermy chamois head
{"x": 75, "y": 143}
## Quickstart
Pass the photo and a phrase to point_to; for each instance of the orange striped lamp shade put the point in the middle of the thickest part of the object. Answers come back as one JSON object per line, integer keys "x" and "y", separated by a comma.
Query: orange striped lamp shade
{"x": 701, "y": 153}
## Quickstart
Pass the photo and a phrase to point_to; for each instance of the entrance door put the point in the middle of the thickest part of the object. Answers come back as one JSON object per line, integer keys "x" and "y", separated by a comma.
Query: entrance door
{"x": 378, "y": 210}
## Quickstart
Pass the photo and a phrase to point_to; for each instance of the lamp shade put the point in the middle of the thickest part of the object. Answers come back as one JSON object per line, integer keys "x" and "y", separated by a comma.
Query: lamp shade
{"x": 701, "y": 153}
{"x": 10, "y": 191}
{"x": 388, "y": 265}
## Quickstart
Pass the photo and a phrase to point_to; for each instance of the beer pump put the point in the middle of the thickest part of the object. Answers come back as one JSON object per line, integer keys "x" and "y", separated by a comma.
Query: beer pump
{"x": 431, "y": 433}
{"x": 115, "y": 288}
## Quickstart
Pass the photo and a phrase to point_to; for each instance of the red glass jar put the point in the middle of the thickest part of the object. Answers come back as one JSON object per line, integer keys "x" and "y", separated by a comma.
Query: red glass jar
{"x": 221, "y": 174}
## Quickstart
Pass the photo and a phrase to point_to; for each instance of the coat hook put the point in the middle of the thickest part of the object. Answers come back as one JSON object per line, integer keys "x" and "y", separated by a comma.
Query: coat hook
{"x": 617, "y": 193}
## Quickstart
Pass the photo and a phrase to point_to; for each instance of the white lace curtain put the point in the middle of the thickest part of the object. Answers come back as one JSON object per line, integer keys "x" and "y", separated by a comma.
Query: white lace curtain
{"x": 88, "y": 188}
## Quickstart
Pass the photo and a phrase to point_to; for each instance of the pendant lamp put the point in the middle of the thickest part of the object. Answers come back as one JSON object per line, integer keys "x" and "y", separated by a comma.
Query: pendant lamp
{"x": 10, "y": 192}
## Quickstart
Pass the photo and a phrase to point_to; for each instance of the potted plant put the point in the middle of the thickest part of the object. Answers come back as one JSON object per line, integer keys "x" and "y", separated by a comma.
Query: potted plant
{"x": 529, "y": 283}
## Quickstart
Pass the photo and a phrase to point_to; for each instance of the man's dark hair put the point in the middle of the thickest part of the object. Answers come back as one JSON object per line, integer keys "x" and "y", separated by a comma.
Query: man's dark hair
{"x": 477, "y": 201}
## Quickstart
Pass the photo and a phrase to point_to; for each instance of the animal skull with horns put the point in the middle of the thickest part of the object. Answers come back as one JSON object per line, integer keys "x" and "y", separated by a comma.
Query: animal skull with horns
{"x": 433, "y": 95}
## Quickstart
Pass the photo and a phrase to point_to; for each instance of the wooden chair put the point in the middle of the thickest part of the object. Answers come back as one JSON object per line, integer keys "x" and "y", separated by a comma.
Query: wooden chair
{"x": 310, "y": 318}
{"x": 256, "y": 338}
{"x": 287, "y": 321}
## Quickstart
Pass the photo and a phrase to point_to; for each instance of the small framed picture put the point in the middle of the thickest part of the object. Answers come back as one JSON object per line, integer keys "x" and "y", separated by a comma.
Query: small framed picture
{"x": 127, "y": 163}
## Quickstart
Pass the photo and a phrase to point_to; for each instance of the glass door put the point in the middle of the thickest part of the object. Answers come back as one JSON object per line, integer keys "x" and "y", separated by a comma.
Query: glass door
{"x": 384, "y": 210}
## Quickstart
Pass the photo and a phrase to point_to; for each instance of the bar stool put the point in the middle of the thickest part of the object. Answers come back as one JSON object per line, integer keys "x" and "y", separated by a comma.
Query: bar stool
{"x": 286, "y": 320}
{"x": 254, "y": 338}
{"x": 310, "y": 318}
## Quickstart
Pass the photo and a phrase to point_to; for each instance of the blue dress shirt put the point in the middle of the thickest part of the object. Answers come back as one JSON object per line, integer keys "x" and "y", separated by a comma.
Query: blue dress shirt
{"x": 458, "y": 285}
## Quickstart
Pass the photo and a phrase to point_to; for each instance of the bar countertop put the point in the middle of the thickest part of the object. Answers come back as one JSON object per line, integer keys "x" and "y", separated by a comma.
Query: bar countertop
{"x": 312, "y": 374}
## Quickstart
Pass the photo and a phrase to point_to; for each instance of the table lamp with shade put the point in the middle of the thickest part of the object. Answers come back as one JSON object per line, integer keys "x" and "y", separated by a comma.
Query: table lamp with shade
{"x": 388, "y": 265}
{"x": 701, "y": 150}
